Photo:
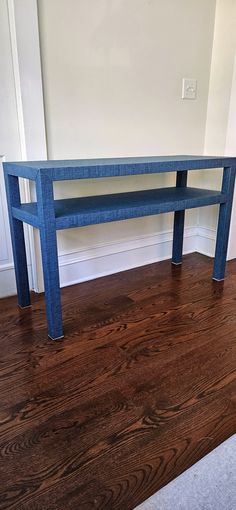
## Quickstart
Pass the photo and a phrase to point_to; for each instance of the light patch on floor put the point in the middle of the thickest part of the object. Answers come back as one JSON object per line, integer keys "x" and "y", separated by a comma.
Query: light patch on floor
{"x": 208, "y": 485}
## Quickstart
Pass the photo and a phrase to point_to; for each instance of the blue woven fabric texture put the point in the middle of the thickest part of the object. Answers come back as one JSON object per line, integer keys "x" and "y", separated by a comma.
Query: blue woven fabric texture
{"x": 111, "y": 167}
{"x": 120, "y": 206}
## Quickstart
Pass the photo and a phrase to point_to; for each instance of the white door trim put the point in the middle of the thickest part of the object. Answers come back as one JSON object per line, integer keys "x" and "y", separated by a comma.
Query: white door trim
{"x": 17, "y": 80}
{"x": 25, "y": 47}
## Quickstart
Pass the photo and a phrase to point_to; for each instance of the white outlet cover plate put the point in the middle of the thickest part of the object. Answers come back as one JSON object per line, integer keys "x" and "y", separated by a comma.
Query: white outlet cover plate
{"x": 189, "y": 88}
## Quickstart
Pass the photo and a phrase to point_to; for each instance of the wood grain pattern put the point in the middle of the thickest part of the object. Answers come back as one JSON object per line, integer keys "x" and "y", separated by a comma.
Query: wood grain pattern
{"x": 142, "y": 387}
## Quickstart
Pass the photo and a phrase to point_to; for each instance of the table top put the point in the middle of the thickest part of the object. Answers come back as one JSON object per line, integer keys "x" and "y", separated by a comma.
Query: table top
{"x": 111, "y": 167}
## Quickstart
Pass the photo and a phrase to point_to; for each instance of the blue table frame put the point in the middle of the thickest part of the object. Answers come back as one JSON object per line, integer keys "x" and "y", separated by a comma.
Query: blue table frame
{"x": 49, "y": 215}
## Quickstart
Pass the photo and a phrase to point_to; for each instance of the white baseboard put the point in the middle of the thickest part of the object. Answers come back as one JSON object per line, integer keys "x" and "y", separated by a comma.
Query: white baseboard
{"x": 205, "y": 241}
{"x": 109, "y": 258}
{"x": 8, "y": 281}
{"x": 112, "y": 258}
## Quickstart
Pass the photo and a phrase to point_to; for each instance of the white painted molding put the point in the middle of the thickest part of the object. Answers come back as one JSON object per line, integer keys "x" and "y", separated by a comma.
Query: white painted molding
{"x": 8, "y": 281}
{"x": 205, "y": 241}
{"x": 102, "y": 260}
{"x": 23, "y": 19}
{"x": 25, "y": 187}
{"x": 16, "y": 72}
{"x": 26, "y": 61}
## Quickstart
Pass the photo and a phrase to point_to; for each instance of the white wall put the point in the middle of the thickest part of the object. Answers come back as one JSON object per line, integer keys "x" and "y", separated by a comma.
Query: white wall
{"x": 222, "y": 66}
{"x": 112, "y": 73}
{"x": 230, "y": 148}
{"x": 221, "y": 95}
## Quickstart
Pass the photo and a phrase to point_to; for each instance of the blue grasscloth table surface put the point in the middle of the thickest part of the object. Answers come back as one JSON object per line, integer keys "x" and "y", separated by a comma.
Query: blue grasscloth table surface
{"x": 49, "y": 215}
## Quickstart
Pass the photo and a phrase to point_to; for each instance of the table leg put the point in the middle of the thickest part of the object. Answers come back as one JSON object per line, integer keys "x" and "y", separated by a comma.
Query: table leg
{"x": 18, "y": 241}
{"x": 224, "y": 224}
{"x": 44, "y": 188}
{"x": 181, "y": 181}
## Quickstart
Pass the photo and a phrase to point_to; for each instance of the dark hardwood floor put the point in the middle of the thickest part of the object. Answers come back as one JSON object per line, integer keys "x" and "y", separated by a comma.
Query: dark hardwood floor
{"x": 143, "y": 385}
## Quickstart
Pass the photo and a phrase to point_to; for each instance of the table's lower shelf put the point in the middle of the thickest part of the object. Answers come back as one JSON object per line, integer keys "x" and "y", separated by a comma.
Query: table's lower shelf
{"x": 77, "y": 212}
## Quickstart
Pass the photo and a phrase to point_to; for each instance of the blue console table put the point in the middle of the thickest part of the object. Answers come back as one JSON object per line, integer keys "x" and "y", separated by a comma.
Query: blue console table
{"x": 49, "y": 215}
